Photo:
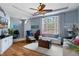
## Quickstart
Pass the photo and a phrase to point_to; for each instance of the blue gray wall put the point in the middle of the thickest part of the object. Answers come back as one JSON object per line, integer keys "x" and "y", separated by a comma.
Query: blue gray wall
{"x": 66, "y": 19}
{"x": 70, "y": 18}
{"x": 36, "y": 21}
{"x": 20, "y": 26}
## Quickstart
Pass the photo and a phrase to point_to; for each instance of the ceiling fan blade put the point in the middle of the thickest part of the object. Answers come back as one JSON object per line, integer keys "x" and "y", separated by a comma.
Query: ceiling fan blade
{"x": 49, "y": 10}
{"x": 61, "y": 9}
{"x": 33, "y": 8}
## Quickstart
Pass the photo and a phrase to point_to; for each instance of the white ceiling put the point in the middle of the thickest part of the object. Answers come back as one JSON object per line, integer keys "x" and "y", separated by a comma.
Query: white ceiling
{"x": 21, "y": 10}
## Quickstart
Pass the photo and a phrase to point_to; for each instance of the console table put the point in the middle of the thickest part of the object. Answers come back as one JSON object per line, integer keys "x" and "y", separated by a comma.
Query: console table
{"x": 5, "y": 43}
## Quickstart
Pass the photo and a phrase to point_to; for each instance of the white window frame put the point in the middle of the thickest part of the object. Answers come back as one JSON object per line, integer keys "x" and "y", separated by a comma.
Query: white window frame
{"x": 51, "y": 18}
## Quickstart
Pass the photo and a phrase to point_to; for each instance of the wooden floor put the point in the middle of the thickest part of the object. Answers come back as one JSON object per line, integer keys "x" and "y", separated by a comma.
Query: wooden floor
{"x": 17, "y": 49}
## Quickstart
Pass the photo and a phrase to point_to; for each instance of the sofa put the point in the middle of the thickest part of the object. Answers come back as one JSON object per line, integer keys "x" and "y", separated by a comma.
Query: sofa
{"x": 53, "y": 40}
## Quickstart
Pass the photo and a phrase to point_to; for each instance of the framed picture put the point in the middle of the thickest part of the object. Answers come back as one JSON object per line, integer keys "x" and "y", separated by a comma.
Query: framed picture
{"x": 34, "y": 26}
{"x": 3, "y": 20}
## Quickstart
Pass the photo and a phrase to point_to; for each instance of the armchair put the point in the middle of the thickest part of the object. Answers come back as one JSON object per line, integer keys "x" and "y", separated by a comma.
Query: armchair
{"x": 29, "y": 36}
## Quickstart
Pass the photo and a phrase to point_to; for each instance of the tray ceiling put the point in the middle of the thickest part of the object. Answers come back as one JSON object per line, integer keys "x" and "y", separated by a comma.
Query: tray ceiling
{"x": 21, "y": 10}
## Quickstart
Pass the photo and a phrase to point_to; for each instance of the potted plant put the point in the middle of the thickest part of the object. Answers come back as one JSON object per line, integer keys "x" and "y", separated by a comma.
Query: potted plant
{"x": 11, "y": 31}
{"x": 75, "y": 30}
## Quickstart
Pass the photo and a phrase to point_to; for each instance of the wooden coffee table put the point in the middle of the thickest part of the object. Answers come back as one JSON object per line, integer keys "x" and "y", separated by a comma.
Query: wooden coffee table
{"x": 44, "y": 43}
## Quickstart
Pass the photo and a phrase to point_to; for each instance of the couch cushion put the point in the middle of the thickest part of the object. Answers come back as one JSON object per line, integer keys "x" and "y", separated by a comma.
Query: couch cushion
{"x": 76, "y": 41}
{"x": 53, "y": 40}
{"x": 29, "y": 33}
{"x": 31, "y": 38}
{"x": 51, "y": 35}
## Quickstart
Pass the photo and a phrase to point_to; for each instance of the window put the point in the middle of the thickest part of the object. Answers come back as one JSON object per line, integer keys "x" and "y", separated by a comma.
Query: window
{"x": 50, "y": 25}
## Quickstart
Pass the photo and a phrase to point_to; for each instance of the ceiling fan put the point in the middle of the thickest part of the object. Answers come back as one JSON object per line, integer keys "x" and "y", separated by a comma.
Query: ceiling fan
{"x": 41, "y": 9}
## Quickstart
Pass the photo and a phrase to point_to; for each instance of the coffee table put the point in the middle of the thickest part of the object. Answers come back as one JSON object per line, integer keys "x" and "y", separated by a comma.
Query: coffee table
{"x": 44, "y": 43}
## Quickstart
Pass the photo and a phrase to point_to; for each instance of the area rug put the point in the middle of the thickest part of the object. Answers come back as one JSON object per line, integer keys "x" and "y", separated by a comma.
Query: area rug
{"x": 53, "y": 51}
